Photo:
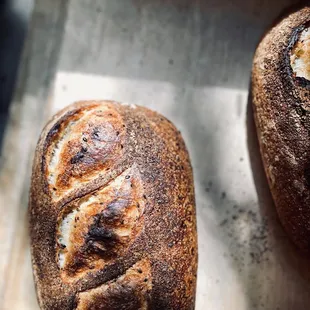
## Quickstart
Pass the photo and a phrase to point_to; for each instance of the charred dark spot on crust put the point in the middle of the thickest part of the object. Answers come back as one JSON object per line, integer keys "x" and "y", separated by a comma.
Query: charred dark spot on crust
{"x": 97, "y": 232}
{"x": 95, "y": 133}
{"x": 54, "y": 129}
{"x": 77, "y": 158}
{"x": 302, "y": 82}
{"x": 101, "y": 239}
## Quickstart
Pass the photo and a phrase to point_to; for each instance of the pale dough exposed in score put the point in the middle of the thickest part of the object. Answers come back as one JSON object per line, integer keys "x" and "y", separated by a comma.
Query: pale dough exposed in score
{"x": 300, "y": 55}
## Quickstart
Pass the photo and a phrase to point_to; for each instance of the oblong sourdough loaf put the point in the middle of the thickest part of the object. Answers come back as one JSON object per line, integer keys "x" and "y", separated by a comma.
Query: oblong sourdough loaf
{"x": 281, "y": 99}
{"x": 112, "y": 211}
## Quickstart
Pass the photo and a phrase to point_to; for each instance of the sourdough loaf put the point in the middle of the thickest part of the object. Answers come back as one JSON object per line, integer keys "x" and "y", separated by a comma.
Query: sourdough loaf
{"x": 280, "y": 94}
{"x": 112, "y": 211}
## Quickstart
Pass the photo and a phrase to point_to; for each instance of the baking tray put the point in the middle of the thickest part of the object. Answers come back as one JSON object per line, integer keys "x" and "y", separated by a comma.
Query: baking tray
{"x": 190, "y": 61}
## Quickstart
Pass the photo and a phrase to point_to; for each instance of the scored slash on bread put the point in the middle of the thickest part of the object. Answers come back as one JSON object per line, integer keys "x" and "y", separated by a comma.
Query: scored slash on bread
{"x": 112, "y": 211}
{"x": 281, "y": 102}
{"x": 98, "y": 227}
{"x": 83, "y": 144}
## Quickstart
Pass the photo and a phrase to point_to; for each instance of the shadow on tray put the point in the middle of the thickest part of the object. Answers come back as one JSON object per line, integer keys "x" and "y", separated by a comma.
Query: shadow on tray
{"x": 12, "y": 35}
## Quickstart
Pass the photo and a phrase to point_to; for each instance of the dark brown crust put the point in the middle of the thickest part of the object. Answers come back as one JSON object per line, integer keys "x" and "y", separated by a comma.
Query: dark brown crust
{"x": 281, "y": 107}
{"x": 168, "y": 239}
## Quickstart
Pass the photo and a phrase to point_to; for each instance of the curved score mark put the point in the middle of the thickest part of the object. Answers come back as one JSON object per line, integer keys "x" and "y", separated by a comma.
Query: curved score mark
{"x": 130, "y": 291}
{"x": 98, "y": 228}
{"x": 86, "y": 144}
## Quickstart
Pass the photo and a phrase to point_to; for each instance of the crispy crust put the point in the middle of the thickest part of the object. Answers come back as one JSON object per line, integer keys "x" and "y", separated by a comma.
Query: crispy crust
{"x": 281, "y": 107}
{"x": 149, "y": 220}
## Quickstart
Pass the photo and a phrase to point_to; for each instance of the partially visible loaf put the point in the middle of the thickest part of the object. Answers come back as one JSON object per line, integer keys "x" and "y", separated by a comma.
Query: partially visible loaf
{"x": 112, "y": 211}
{"x": 280, "y": 92}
